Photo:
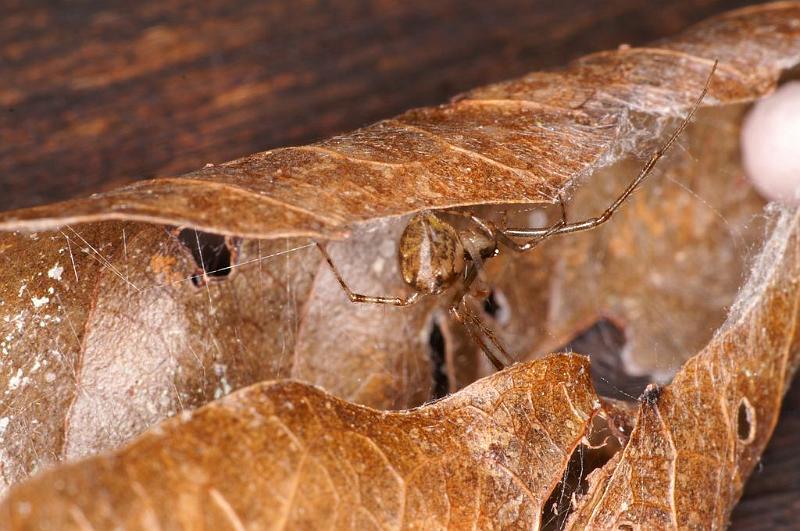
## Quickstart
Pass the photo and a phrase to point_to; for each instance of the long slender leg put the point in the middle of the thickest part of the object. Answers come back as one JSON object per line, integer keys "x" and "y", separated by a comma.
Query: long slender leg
{"x": 477, "y": 331}
{"x": 645, "y": 171}
{"x": 491, "y": 349}
{"x": 477, "y": 339}
{"x": 469, "y": 277}
{"x": 504, "y": 237}
{"x": 358, "y": 297}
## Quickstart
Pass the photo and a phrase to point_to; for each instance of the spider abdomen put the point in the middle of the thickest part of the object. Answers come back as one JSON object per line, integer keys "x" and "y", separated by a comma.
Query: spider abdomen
{"x": 431, "y": 254}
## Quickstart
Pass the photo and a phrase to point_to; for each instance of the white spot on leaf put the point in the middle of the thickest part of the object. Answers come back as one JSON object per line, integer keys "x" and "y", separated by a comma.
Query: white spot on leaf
{"x": 55, "y": 272}
{"x": 16, "y": 381}
{"x": 39, "y": 302}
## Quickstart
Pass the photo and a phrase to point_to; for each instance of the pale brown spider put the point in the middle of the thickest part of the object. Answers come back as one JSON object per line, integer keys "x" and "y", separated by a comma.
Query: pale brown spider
{"x": 434, "y": 255}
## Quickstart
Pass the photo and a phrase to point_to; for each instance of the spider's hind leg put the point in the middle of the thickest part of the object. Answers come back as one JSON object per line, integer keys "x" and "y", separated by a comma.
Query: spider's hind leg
{"x": 482, "y": 336}
{"x": 358, "y": 297}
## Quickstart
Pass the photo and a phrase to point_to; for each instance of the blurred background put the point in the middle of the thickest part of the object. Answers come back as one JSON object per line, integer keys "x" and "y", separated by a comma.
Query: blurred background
{"x": 96, "y": 94}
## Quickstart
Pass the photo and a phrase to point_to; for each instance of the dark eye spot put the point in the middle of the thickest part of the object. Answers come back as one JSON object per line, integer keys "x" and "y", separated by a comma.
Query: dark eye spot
{"x": 651, "y": 395}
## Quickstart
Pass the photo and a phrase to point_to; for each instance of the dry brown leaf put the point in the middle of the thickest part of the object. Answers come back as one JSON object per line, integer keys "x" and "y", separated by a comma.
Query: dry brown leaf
{"x": 652, "y": 270}
{"x": 489, "y": 455}
{"x": 120, "y": 367}
{"x": 286, "y": 455}
{"x": 514, "y": 142}
{"x": 698, "y": 439}
{"x": 99, "y": 352}
{"x": 108, "y": 334}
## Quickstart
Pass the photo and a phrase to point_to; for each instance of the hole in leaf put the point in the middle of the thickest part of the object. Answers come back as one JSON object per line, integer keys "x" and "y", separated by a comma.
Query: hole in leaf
{"x": 437, "y": 351}
{"x": 585, "y": 458}
{"x": 496, "y": 306}
{"x": 745, "y": 421}
{"x": 211, "y": 252}
{"x": 604, "y": 341}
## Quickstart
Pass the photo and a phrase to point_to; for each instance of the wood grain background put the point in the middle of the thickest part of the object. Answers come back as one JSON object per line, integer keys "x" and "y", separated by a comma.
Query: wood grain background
{"x": 94, "y": 94}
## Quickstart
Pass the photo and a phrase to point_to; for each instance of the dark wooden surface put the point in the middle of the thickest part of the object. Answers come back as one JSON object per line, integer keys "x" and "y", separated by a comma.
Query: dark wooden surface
{"x": 93, "y": 94}
{"x": 772, "y": 497}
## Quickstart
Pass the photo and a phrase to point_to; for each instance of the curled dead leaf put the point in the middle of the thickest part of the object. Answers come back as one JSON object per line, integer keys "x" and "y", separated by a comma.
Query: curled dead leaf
{"x": 520, "y": 141}
{"x": 698, "y": 439}
{"x": 121, "y": 367}
{"x": 488, "y": 456}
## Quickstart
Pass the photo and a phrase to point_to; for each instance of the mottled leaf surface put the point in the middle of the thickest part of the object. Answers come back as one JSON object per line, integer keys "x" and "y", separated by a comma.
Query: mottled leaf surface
{"x": 697, "y": 439}
{"x": 487, "y": 456}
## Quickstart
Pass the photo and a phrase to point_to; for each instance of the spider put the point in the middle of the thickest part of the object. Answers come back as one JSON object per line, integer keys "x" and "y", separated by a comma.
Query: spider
{"x": 434, "y": 256}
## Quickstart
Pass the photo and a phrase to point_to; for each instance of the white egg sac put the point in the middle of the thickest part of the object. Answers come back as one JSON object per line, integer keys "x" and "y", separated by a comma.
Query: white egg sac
{"x": 771, "y": 145}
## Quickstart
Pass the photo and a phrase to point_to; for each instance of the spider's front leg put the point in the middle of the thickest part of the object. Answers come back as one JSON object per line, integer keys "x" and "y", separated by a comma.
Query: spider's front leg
{"x": 481, "y": 335}
{"x": 538, "y": 235}
{"x": 642, "y": 175}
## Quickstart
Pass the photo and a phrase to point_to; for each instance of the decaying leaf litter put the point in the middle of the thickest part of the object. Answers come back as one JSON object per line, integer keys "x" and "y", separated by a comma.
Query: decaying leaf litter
{"x": 115, "y": 354}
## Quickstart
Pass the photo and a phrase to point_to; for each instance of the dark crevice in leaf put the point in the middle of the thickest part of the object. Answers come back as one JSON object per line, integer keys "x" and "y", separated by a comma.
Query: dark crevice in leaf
{"x": 214, "y": 254}
{"x": 437, "y": 349}
{"x": 490, "y": 304}
{"x": 495, "y": 305}
{"x": 603, "y": 342}
{"x": 602, "y": 446}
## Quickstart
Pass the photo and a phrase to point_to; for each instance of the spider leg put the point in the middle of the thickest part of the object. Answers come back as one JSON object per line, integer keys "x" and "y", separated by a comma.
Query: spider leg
{"x": 645, "y": 171}
{"x": 585, "y": 101}
{"x": 358, "y": 297}
{"x": 479, "y": 333}
{"x": 475, "y": 264}
{"x": 504, "y": 236}
{"x": 470, "y": 275}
